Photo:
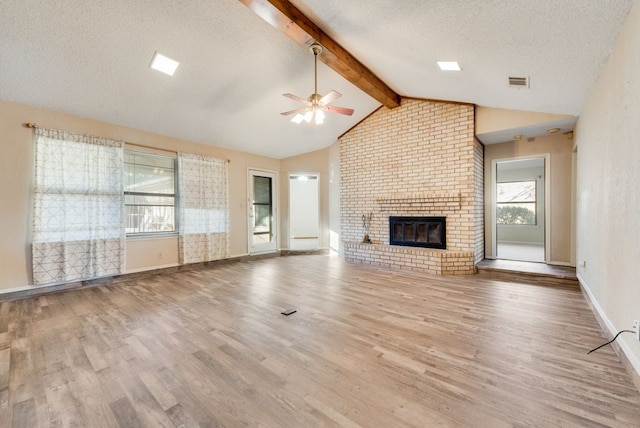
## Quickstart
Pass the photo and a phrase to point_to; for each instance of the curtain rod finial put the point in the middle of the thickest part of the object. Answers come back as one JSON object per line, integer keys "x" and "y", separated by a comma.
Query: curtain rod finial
{"x": 30, "y": 125}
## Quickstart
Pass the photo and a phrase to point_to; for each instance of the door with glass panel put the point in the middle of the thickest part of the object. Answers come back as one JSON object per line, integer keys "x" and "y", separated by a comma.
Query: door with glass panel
{"x": 262, "y": 211}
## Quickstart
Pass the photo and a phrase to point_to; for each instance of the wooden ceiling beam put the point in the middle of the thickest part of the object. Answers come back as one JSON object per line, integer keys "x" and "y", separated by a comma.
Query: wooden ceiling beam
{"x": 293, "y": 23}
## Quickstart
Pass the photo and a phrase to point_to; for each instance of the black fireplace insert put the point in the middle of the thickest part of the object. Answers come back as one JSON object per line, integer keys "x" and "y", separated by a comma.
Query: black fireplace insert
{"x": 428, "y": 232}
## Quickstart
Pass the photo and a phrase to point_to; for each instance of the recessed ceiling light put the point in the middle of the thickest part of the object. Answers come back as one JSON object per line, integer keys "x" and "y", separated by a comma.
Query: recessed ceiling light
{"x": 164, "y": 64}
{"x": 449, "y": 65}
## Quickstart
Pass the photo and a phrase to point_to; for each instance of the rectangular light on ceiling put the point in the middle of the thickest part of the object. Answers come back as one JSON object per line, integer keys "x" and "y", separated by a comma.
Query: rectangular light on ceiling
{"x": 449, "y": 65}
{"x": 164, "y": 64}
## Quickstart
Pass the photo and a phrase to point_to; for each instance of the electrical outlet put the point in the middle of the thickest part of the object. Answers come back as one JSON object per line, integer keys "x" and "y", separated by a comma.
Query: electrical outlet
{"x": 159, "y": 254}
{"x": 636, "y": 328}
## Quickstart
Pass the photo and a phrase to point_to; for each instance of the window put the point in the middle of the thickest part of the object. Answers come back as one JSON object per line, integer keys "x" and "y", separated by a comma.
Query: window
{"x": 149, "y": 193}
{"x": 263, "y": 209}
{"x": 516, "y": 203}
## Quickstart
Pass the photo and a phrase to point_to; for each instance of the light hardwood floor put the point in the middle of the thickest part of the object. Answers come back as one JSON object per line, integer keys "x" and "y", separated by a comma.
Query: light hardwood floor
{"x": 367, "y": 347}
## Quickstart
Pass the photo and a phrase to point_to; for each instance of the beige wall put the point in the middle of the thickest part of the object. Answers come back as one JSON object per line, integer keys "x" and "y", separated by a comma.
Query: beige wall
{"x": 334, "y": 198}
{"x": 559, "y": 147}
{"x": 608, "y": 193}
{"x": 489, "y": 119}
{"x": 16, "y": 174}
{"x": 314, "y": 162}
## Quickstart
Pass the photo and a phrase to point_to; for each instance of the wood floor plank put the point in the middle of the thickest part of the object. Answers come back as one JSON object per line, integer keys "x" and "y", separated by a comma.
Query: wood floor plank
{"x": 5, "y": 364}
{"x": 24, "y": 414}
{"x": 125, "y": 413}
{"x": 366, "y": 347}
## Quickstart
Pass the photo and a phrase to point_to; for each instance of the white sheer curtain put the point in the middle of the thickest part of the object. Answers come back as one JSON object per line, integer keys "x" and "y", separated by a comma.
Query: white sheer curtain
{"x": 203, "y": 209}
{"x": 78, "y": 227}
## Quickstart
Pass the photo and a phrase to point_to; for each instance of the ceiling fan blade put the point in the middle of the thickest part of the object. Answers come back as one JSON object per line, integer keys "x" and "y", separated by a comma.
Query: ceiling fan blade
{"x": 297, "y": 98}
{"x": 330, "y": 97}
{"x": 301, "y": 110}
{"x": 340, "y": 110}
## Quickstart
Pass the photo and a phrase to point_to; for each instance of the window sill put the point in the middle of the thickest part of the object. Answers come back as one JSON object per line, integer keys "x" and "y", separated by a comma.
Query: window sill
{"x": 151, "y": 236}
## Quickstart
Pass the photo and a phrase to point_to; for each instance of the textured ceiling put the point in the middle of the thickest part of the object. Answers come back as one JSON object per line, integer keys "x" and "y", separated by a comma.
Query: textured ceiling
{"x": 91, "y": 59}
{"x": 559, "y": 44}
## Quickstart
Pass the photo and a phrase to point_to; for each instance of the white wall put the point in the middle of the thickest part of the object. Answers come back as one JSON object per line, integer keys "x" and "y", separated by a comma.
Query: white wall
{"x": 608, "y": 188}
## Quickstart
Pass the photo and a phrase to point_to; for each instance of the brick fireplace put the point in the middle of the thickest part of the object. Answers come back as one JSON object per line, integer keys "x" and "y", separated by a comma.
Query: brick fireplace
{"x": 418, "y": 160}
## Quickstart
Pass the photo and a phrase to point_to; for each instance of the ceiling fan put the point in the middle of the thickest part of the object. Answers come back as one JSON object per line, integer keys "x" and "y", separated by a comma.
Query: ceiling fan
{"x": 316, "y": 104}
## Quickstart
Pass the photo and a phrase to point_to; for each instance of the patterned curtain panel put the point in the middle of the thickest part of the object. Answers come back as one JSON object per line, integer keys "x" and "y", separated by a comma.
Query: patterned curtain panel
{"x": 78, "y": 211}
{"x": 204, "y": 209}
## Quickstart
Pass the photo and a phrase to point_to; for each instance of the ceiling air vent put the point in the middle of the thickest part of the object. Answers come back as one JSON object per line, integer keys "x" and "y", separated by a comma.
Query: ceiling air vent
{"x": 518, "y": 82}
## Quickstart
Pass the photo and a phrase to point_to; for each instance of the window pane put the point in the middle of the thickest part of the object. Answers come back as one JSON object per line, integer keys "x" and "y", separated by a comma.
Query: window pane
{"x": 262, "y": 220}
{"x": 148, "y": 178}
{"x": 262, "y": 190}
{"x": 517, "y": 191}
{"x": 409, "y": 232}
{"x": 149, "y": 174}
{"x": 147, "y": 219}
{"x": 435, "y": 233}
{"x": 149, "y": 200}
{"x": 516, "y": 213}
{"x": 397, "y": 232}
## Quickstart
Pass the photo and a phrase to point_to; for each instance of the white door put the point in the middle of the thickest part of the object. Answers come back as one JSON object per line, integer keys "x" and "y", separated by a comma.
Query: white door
{"x": 304, "y": 215}
{"x": 262, "y": 211}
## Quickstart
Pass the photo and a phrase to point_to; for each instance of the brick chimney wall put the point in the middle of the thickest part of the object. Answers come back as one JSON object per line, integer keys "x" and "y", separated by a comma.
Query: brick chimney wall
{"x": 420, "y": 159}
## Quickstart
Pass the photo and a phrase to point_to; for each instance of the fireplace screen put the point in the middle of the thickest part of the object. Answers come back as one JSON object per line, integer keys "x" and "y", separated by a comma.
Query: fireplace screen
{"x": 429, "y": 232}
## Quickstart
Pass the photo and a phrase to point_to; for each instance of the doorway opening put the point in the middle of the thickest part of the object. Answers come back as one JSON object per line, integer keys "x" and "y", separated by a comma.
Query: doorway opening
{"x": 262, "y": 211}
{"x": 304, "y": 212}
{"x": 521, "y": 209}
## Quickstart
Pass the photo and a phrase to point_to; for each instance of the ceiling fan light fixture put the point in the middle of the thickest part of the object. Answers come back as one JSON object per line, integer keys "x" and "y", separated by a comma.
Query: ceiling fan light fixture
{"x": 316, "y": 104}
{"x": 308, "y": 116}
{"x": 297, "y": 118}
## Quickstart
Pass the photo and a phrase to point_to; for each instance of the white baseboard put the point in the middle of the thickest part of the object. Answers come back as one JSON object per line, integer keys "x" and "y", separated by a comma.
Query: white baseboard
{"x": 23, "y": 288}
{"x": 52, "y": 284}
{"x": 304, "y": 244}
{"x": 128, "y": 271}
{"x": 633, "y": 360}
